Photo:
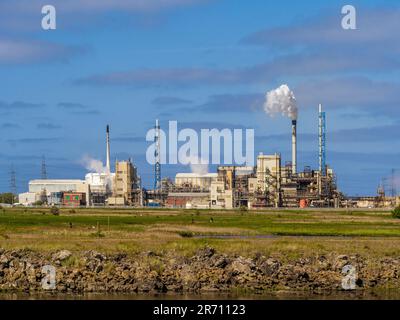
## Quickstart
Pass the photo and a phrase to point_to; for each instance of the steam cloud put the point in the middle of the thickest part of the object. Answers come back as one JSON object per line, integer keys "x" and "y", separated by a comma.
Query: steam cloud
{"x": 283, "y": 101}
{"x": 197, "y": 165}
{"x": 93, "y": 165}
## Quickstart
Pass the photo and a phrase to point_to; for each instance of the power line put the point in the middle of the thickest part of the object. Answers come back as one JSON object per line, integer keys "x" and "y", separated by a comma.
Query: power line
{"x": 44, "y": 170}
{"x": 393, "y": 181}
{"x": 13, "y": 181}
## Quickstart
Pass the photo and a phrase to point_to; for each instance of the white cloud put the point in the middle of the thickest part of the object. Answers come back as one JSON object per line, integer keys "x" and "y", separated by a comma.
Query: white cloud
{"x": 26, "y": 51}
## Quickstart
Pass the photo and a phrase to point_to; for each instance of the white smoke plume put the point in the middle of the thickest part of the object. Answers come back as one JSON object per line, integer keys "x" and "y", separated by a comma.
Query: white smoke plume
{"x": 283, "y": 101}
{"x": 93, "y": 165}
{"x": 197, "y": 165}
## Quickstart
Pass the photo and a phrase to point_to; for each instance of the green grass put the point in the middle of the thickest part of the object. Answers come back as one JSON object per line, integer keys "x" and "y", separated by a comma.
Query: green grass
{"x": 274, "y": 223}
{"x": 132, "y": 230}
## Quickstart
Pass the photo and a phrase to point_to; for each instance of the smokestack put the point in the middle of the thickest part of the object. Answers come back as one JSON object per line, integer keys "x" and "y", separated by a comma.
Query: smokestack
{"x": 322, "y": 140}
{"x": 294, "y": 146}
{"x": 108, "y": 149}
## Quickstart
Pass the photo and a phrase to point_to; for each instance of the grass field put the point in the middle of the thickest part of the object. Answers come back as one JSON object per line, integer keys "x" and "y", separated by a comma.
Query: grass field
{"x": 291, "y": 233}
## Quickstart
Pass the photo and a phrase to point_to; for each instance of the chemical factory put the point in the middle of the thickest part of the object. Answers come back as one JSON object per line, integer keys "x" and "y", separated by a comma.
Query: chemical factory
{"x": 268, "y": 184}
{"x": 271, "y": 183}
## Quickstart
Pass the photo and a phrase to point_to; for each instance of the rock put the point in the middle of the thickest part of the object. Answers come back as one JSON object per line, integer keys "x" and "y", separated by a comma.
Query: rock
{"x": 221, "y": 262}
{"x": 119, "y": 256}
{"x": 270, "y": 267}
{"x": 205, "y": 271}
{"x": 241, "y": 266}
{"x": 4, "y": 260}
{"x": 206, "y": 252}
{"x": 98, "y": 269}
{"x": 62, "y": 255}
{"x": 96, "y": 255}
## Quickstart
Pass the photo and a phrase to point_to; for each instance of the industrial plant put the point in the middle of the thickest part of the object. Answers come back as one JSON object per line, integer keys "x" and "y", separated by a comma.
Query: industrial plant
{"x": 271, "y": 183}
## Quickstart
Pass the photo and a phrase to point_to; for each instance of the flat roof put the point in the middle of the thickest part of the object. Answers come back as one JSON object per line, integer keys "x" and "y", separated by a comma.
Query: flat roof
{"x": 57, "y": 181}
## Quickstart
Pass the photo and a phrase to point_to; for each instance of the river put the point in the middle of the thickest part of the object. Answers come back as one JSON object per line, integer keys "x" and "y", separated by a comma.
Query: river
{"x": 381, "y": 294}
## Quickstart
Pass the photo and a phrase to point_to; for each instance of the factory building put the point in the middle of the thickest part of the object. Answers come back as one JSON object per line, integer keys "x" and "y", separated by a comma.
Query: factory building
{"x": 28, "y": 198}
{"x": 51, "y": 191}
{"x": 101, "y": 186}
{"x": 195, "y": 180}
{"x": 126, "y": 189}
{"x": 49, "y": 186}
{"x": 268, "y": 184}
{"x": 98, "y": 189}
{"x": 221, "y": 197}
{"x": 271, "y": 183}
{"x": 190, "y": 190}
{"x": 92, "y": 191}
{"x": 74, "y": 199}
{"x": 188, "y": 200}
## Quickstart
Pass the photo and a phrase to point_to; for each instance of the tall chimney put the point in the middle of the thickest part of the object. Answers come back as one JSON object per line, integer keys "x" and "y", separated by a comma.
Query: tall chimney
{"x": 322, "y": 140}
{"x": 108, "y": 150}
{"x": 294, "y": 146}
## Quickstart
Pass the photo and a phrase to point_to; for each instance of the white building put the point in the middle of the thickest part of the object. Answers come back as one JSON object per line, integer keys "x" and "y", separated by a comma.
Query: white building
{"x": 50, "y": 186}
{"x": 28, "y": 198}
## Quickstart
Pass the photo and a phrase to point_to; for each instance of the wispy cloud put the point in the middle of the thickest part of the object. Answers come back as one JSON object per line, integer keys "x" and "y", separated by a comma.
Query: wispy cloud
{"x": 294, "y": 65}
{"x": 9, "y": 125}
{"x": 90, "y": 6}
{"x": 87, "y": 113}
{"x": 382, "y": 133}
{"x": 167, "y": 101}
{"x": 19, "y": 105}
{"x": 33, "y": 140}
{"x": 376, "y": 30}
{"x": 319, "y": 47}
{"x": 344, "y": 92}
{"x": 78, "y": 108}
{"x": 231, "y": 103}
{"x": 48, "y": 126}
{"x": 222, "y": 103}
{"x": 22, "y": 15}
{"x": 71, "y": 105}
{"x": 129, "y": 139}
{"x": 19, "y": 51}
{"x": 198, "y": 125}
{"x": 171, "y": 77}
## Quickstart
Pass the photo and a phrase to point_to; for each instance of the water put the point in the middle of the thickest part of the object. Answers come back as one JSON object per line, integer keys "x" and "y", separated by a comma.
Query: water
{"x": 276, "y": 295}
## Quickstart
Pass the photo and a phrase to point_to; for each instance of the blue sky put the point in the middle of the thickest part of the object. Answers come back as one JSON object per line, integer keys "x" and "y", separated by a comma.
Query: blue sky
{"x": 205, "y": 64}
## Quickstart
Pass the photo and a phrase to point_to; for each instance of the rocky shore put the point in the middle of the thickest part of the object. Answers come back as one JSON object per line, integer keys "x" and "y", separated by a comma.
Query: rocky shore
{"x": 205, "y": 271}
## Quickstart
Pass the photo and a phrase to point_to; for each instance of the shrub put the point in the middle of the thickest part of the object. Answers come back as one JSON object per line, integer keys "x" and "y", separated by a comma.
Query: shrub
{"x": 243, "y": 208}
{"x": 55, "y": 211}
{"x": 396, "y": 213}
{"x": 97, "y": 234}
{"x": 72, "y": 211}
{"x": 185, "y": 234}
